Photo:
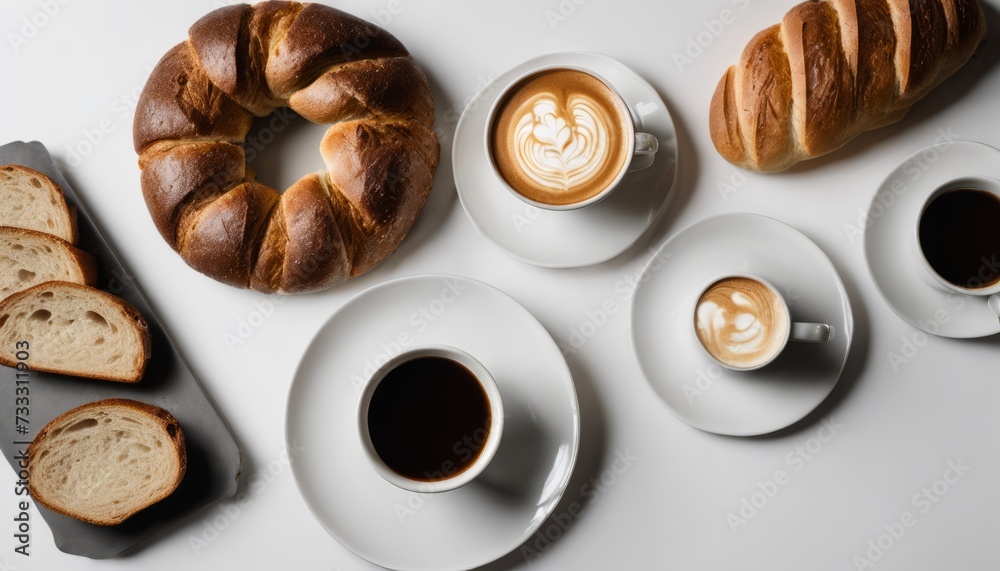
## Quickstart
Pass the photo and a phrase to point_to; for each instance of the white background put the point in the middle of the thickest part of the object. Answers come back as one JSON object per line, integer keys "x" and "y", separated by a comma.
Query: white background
{"x": 901, "y": 426}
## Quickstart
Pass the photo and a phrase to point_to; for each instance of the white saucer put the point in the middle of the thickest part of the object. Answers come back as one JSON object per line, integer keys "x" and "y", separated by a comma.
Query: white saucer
{"x": 463, "y": 528}
{"x": 566, "y": 239}
{"x": 693, "y": 386}
{"x": 889, "y": 248}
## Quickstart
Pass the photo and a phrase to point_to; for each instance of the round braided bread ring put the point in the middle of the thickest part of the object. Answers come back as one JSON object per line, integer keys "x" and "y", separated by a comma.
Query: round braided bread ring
{"x": 328, "y": 66}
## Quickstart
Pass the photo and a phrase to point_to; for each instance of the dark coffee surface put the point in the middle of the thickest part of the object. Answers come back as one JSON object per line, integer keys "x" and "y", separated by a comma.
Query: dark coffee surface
{"x": 429, "y": 418}
{"x": 960, "y": 237}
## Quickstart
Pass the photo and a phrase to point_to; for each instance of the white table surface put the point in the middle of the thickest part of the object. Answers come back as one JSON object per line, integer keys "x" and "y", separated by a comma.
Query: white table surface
{"x": 83, "y": 69}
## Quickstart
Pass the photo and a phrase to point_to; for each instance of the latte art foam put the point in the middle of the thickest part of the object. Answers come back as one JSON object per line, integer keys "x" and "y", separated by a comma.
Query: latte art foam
{"x": 561, "y": 145}
{"x": 560, "y": 137}
{"x": 741, "y": 322}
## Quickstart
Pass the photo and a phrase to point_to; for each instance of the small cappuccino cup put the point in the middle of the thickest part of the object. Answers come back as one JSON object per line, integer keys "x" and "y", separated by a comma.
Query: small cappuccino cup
{"x": 744, "y": 323}
{"x": 562, "y": 138}
{"x": 430, "y": 419}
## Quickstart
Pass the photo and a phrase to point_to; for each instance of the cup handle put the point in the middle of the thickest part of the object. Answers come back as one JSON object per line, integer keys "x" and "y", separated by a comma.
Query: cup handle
{"x": 811, "y": 332}
{"x": 645, "y": 145}
{"x": 994, "y": 303}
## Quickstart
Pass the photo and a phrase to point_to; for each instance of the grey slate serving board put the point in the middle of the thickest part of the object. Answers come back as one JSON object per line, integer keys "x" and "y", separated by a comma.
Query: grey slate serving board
{"x": 214, "y": 459}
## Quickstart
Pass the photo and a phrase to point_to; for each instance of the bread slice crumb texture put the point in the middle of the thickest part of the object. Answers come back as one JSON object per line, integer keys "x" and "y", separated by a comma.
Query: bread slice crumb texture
{"x": 75, "y": 330}
{"x": 105, "y": 461}
{"x": 28, "y": 258}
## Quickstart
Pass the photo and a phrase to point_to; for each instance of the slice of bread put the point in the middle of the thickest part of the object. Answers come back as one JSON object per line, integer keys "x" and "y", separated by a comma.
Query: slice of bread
{"x": 29, "y": 199}
{"x": 29, "y": 258}
{"x": 75, "y": 330}
{"x": 107, "y": 460}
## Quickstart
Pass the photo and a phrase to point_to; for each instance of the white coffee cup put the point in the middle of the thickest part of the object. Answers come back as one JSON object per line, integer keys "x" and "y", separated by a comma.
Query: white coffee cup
{"x": 789, "y": 330}
{"x": 927, "y": 272}
{"x": 639, "y": 144}
{"x": 448, "y": 481}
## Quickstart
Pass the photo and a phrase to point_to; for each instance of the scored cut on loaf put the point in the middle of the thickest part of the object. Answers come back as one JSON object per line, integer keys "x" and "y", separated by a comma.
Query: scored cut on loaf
{"x": 834, "y": 69}
{"x": 29, "y": 199}
{"x": 75, "y": 330}
{"x": 107, "y": 460}
{"x": 28, "y": 258}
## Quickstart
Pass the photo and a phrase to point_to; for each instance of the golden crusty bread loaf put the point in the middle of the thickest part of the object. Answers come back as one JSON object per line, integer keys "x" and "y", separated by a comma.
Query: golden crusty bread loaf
{"x": 330, "y": 67}
{"x": 833, "y": 69}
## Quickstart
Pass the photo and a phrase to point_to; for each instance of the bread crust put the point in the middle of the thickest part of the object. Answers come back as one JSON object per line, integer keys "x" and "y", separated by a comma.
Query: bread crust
{"x": 320, "y": 37}
{"x": 225, "y": 234}
{"x": 303, "y": 248}
{"x": 179, "y": 102}
{"x": 330, "y": 67}
{"x": 162, "y": 417}
{"x": 187, "y": 175}
{"x": 854, "y": 65}
{"x": 131, "y": 313}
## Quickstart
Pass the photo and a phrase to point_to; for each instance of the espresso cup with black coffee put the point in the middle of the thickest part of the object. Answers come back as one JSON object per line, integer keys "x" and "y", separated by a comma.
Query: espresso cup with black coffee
{"x": 957, "y": 238}
{"x": 430, "y": 419}
{"x": 562, "y": 138}
{"x": 744, "y": 323}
